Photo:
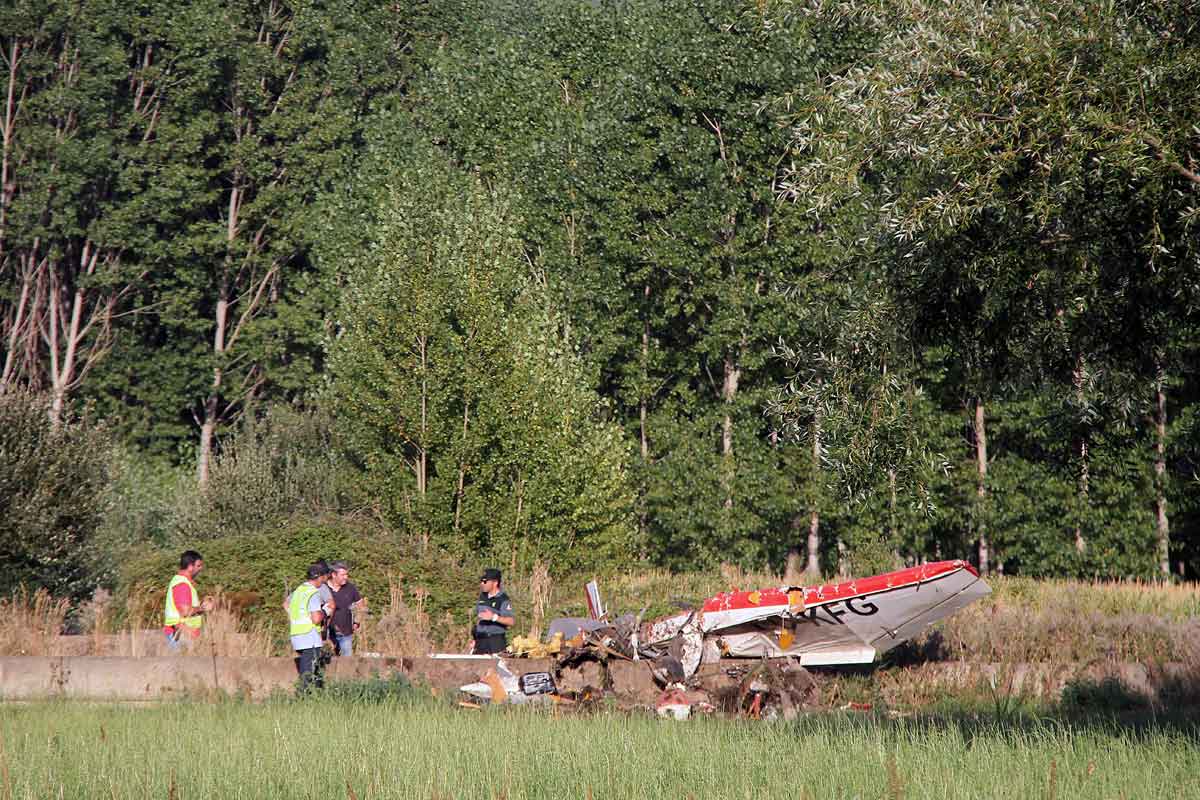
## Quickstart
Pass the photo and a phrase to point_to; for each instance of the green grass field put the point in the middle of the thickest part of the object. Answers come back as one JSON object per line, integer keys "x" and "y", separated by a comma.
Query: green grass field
{"x": 326, "y": 749}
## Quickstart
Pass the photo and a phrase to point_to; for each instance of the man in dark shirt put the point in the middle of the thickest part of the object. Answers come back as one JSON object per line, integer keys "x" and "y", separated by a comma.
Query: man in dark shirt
{"x": 347, "y": 603}
{"x": 494, "y": 616}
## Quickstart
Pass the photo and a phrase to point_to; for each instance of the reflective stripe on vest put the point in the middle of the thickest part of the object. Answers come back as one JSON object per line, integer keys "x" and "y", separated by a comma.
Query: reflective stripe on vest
{"x": 171, "y": 616}
{"x": 298, "y": 612}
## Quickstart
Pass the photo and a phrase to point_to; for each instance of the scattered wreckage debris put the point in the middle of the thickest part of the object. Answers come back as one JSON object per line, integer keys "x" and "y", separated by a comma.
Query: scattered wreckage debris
{"x": 773, "y": 689}
{"x": 500, "y": 684}
{"x": 679, "y": 702}
{"x": 754, "y": 645}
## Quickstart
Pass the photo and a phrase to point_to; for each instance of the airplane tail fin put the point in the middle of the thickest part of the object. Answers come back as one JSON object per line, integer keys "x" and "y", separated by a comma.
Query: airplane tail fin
{"x": 595, "y": 607}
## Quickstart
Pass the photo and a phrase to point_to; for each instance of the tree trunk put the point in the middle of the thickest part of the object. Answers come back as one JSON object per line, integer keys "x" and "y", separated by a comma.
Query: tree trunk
{"x": 643, "y": 412}
{"x": 1084, "y": 476}
{"x": 729, "y": 387}
{"x": 67, "y": 330}
{"x": 981, "y": 461}
{"x": 893, "y": 533}
{"x": 21, "y": 332}
{"x": 212, "y": 404}
{"x": 62, "y": 372}
{"x": 6, "y": 133}
{"x": 642, "y": 426}
{"x": 462, "y": 471}
{"x": 643, "y": 400}
{"x": 422, "y": 462}
{"x": 792, "y": 575}
{"x": 1163, "y": 524}
{"x": 1080, "y": 541}
{"x": 520, "y": 490}
{"x": 813, "y": 567}
{"x": 813, "y": 546}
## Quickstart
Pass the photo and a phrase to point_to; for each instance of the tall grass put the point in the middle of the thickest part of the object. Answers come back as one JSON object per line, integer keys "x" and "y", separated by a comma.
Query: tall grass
{"x": 1022, "y": 620}
{"x": 404, "y": 627}
{"x": 30, "y": 623}
{"x": 324, "y": 749}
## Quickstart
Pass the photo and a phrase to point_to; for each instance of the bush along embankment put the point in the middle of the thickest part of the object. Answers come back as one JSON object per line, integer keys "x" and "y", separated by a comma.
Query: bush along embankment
{"x": 254, "y": 572}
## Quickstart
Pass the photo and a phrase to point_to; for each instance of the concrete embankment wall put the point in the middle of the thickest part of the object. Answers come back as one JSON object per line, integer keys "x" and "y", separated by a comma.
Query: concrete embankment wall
{"x": 158, "y": 678}
{"x": 175, "y": 677}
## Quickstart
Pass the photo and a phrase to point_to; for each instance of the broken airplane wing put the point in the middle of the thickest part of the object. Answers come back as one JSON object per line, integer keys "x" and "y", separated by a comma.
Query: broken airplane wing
{"x": 839, "y": 623}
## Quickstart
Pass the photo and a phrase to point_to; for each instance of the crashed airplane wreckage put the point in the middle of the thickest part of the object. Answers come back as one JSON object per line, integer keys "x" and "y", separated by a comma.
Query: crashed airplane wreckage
{"x": 853, "y": 622}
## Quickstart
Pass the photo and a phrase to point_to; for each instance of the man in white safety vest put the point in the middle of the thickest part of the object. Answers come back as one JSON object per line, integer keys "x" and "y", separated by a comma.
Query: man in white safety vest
{"x": 306, "y": 614}
{"x": 182, "y": 611}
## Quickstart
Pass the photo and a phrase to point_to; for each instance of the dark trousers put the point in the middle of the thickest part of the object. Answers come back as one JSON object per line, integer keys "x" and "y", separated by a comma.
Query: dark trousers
{"x": 311, "y": 667}
{"x": 486, "y": 645}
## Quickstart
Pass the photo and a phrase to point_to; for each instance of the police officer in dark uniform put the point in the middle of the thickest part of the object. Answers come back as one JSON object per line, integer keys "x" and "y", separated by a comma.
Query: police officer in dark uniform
{"x": 493, "y": 615}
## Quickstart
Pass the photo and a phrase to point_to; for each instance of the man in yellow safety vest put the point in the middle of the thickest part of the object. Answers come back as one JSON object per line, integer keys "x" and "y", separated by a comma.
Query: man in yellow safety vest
{"x": 182, "y": 611}
{"x": 306, "y": 615}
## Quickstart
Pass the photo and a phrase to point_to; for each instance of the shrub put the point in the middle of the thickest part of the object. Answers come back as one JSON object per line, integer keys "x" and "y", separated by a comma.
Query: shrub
{"x": 260, "y": 568}
{"x": 282, "y": 464}
{"x": 394, "y": 687}
{"x": 1109, "y": 695}
{"x": 53, "y": 484}
{"x": 141, "y": 511}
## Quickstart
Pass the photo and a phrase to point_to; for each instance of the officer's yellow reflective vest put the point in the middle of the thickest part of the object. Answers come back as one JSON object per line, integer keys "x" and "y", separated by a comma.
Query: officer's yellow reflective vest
{"x": 298, "y": 612}
{"x": 171, "y": 616}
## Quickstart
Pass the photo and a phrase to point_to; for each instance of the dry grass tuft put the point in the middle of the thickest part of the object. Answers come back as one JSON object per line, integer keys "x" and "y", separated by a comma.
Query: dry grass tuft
{"x": 403, "y": 628}
{"x": 1174, "y": 602}
{"x": 1004, "y": 628}
{"x": 540, "y": 585}
{"x": 31, "y": 623}
{"x": 224, "y": 634}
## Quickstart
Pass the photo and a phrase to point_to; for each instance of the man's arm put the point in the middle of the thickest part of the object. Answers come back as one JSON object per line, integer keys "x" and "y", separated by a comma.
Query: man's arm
{"x": 316, "y": 610}
{"x": 356, "y": 608}
{"x": 183, "y": 602}
{"x": 505, "y": 616}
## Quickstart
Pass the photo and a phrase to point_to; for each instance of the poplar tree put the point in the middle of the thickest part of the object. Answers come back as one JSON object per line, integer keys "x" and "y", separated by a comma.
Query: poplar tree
{"x": 463, "y": 401}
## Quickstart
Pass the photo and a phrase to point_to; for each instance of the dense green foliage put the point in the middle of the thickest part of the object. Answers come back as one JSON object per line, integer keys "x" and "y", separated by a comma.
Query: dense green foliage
{"x": 1033, "y": 225}
{"x": 282, "y": 466}
{"x": 667, "y": 281}
{"x": 459, "y": 393}
{"x": 274, "y": 562}
{"x": 54, "y": 492}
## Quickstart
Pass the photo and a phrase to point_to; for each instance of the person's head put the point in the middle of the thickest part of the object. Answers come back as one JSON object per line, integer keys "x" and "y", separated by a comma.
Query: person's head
{"x": 489, "y": 581}
{"x": 318, "y": 573}
{"x": 190, "y": 563}
{"x": 339, "y": 573}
